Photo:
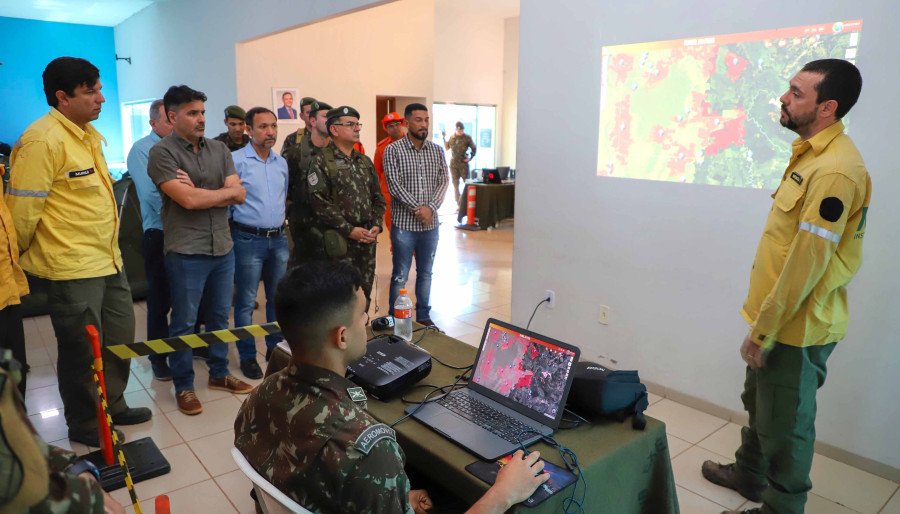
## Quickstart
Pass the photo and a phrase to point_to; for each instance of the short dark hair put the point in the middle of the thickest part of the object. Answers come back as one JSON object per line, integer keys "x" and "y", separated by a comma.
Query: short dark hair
{"x": 314, "y": 298}
{"x": 65, "y": 74}
{"x": 286, "y": 93}
{"x": 248, "y": 119}
{"x": 413, "y": 107}
{"x": 5, "y": 149}
{"x": 177, "y": 96}
{"x": 841, "y": 82}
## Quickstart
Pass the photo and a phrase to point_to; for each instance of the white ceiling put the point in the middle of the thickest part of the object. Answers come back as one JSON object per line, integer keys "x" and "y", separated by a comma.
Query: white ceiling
{"x": 110, "y": 13}
{"x": 87, "y": 12}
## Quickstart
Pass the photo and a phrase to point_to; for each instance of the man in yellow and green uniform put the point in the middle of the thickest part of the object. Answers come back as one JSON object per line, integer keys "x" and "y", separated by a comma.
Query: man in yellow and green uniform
{"x": 797, "y": 304}
{"x": 67, "y": 226}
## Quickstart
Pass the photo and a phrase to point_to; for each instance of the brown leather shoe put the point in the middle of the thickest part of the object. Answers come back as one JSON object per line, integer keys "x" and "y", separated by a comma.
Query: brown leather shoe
{"x": 188, "y": 403}
{"x": 231, "y": 384}
{"x": 726, "y": 475}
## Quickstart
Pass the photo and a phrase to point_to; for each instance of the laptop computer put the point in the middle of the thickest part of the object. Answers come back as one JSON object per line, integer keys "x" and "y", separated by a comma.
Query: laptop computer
{"x": 491, "y": 176}
{"x": 517, "y": 393}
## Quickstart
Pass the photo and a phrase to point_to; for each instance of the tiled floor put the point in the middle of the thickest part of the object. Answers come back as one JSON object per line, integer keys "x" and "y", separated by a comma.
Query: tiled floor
{"x": 472, "y": 281}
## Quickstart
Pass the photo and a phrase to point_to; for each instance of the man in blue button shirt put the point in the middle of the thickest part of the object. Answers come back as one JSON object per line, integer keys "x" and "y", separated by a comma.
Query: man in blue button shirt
{"x": 158, "y": 302}
{"x": 257, "y": 229}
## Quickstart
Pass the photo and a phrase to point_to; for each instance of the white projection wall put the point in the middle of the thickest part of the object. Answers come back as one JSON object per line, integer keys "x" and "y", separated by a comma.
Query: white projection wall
{"x": 672, "y": 260}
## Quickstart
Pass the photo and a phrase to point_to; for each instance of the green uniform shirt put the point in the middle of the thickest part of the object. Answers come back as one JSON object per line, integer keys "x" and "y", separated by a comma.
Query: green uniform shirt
{"x": 459, "y": 145}
{"x": 232, "y": 146}
{"x": 302, "y": 432}
{"x": 350, "y": 198}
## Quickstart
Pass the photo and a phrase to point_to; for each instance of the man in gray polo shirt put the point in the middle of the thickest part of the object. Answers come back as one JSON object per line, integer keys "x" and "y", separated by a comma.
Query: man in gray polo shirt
{"x": 198, "y": 182}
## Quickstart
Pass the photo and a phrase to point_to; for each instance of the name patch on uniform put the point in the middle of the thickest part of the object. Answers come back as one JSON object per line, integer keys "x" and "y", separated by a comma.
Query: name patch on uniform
{"x": 370, "y": 436}
{"x": 81, "y": 173}
{"x": 796, "y": 178}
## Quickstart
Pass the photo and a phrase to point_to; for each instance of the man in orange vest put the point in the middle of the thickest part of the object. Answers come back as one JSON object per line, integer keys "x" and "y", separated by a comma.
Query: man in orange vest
{"x": 395, "y": 126}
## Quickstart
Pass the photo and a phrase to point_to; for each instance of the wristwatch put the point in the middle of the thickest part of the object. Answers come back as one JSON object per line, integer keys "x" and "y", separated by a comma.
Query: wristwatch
{"x": 84, "y": 466}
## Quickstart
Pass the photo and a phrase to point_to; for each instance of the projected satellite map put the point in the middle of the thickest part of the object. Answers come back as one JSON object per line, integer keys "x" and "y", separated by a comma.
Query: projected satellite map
{"x": 705, "y": 110}
{"x": 531, "y": 373}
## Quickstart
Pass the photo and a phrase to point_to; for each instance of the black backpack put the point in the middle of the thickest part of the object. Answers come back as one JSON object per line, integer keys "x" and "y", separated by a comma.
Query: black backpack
{"x": 598, "y": 391}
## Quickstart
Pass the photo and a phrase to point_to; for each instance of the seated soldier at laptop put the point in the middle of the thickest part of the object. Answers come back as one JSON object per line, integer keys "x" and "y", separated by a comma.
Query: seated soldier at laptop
{"x": 302, "y": 430}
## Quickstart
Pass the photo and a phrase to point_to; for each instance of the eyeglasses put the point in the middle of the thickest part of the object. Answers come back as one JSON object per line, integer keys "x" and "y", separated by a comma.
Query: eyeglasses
{"x": 393, "y": 124}
{"x": 351, "y": 124}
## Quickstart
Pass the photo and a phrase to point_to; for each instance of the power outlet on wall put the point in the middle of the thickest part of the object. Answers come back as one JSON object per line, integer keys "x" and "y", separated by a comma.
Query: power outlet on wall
{"x": 551, "y": 295}
{"x": 604, "y": 315}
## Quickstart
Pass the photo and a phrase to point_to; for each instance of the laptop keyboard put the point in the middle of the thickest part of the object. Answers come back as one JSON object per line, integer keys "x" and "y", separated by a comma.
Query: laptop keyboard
{"x": 485, "y": 416}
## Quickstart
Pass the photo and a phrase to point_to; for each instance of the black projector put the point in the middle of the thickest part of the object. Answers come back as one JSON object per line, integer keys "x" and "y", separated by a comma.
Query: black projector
{"x": 390, "y": 367}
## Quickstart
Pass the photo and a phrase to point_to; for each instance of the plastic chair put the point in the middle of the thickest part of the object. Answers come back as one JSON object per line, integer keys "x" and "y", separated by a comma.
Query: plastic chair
{"x": 270, "y": 498}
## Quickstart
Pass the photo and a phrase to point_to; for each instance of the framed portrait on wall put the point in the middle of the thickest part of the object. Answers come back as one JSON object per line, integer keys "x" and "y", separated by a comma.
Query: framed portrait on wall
{"x": 284, "y": 102}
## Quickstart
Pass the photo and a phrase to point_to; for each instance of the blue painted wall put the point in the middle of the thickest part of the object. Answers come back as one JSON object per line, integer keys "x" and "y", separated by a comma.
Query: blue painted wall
{"x": 26, "y": 46}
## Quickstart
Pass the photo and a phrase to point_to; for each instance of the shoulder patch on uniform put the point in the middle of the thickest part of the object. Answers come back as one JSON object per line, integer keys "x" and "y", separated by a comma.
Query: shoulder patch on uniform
{"x": 796, "y": 178}
{"x": 313, "y": 178}
{"x": 831, "y": 209}
{"x": 370, "y": 436}
{"x": 357, "y": 394}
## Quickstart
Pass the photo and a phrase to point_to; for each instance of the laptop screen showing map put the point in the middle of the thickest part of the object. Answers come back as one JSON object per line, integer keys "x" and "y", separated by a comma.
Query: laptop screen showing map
{"x": 531, "y": 370}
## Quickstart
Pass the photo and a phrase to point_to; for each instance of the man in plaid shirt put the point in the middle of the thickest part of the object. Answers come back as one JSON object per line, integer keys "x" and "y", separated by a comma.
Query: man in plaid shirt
{"x": 416, "y": 172}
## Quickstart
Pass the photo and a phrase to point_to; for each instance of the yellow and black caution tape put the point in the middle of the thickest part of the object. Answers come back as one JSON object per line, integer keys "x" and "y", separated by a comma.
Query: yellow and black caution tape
{"x": 187, "y": 342}
{"x": 117, "y": 446}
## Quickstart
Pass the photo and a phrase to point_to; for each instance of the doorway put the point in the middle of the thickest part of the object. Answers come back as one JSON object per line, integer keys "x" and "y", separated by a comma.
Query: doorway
{"x": 385, "y": 104}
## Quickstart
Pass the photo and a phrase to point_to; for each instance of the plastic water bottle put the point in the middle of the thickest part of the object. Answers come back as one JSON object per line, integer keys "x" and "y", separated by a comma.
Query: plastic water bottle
{"x": 403, "y": 316}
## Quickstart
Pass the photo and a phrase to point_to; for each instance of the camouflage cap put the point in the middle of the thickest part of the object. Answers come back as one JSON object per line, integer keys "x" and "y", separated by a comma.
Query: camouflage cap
{"x": 335, "y": 114}
{"x": 319, "y": 106}
{"x": 307, "y": 100}
{"x": 235, "y": 111}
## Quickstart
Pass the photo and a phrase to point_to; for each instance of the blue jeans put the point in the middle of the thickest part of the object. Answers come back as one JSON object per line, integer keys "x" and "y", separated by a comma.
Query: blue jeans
{"x": 192, "y": 277}
{"x": 255, "y": 258}
{"x": 424, "y": 245}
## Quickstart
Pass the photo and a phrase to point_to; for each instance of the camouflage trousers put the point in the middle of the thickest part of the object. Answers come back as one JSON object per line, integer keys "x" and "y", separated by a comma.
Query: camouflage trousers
{"x": 362, "y": 257}
{"x": 459, "y": 171}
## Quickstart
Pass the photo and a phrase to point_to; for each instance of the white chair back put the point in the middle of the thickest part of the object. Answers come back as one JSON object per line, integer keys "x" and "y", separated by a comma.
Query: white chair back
{"x": 270, "y": 498}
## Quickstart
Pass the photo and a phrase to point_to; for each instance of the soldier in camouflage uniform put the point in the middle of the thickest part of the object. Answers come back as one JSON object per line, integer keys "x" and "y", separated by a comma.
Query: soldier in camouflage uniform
{"x": 459, "y": 144}
{"x": 294, "y": 137}
{"x": 235, "y": 137}
{"x": 306, "y": 429}
{"x": 298, "y": 157}
{"x": 345, "y": 199}
{"x": 34, "y": 476}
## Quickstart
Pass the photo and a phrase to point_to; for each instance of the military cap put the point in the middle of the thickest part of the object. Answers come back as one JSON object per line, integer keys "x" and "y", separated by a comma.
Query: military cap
{"x": 319, "y": 106}
{"x": 235, "y": 111}
{"x": 391, "y": 117}
{"x": 343, "y": 110}
{"x": 306, "y": 100}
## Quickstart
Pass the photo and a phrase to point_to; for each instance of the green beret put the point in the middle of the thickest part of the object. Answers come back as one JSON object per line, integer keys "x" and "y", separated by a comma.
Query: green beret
{"x": 306, "y": 100}
{"x": 343, "y": 110}
{"x": 319, "y": 106}
{"x": 234, "y": 111}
